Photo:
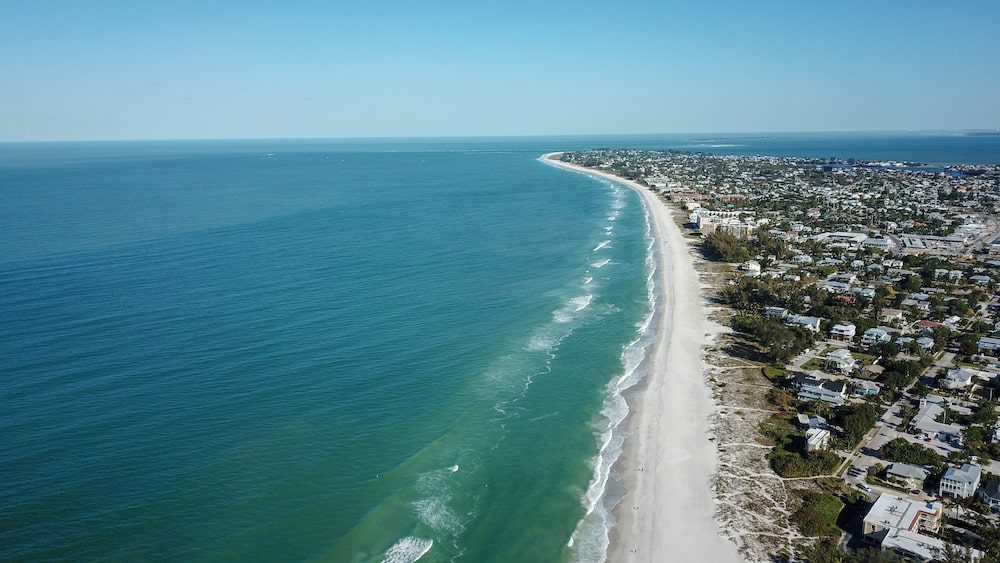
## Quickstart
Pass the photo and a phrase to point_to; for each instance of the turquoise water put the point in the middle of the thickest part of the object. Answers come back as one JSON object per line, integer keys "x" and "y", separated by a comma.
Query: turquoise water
{"x": 326, "y": 350}
{"x": 292, "y": 352}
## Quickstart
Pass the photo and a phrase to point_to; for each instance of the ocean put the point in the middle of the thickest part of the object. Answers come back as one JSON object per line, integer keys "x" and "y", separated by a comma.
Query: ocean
{"x": 333, "y": 350}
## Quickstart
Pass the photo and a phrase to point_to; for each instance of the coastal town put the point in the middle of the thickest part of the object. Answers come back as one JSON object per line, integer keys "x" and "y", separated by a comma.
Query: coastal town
{"x": 858, "y": 387}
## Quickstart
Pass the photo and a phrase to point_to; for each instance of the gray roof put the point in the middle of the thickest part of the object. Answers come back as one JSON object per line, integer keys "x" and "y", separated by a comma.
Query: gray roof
{"x": 968, "y": 473}
{"x": 908, "y": 471}
{"x": 991, "y": 489}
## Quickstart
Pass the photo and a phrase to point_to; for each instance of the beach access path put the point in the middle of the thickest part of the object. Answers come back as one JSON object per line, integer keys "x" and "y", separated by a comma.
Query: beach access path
{"x": 668, "y": 460}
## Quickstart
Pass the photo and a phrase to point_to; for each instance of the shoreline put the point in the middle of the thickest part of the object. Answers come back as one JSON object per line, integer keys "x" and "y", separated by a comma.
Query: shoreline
{"x": 668, "y": 460}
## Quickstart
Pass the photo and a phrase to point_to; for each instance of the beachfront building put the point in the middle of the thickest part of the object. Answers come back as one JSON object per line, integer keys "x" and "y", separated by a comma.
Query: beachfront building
{"x": 775, "y": 312}
{"x": 891, "y": 512}
{"x": 817, "y": 439}
{"x": 961, "y": 482}
{"x": 911, "y": 476}
{"x": 895, "y": 524}
{"x": 809, "y": 323}
{"x": 843, "y": 332}
{"x": 917, "y": 547}
{"x": 832, "y": 392}
{"x": 809, "y": 421}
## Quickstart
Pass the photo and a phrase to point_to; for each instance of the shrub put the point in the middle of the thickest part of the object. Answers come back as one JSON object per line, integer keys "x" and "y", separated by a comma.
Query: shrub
{"x": 818, "y": 514}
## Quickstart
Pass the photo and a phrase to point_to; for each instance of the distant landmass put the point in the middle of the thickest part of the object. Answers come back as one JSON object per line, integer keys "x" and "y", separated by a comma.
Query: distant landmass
{"x": 715, "y": 139}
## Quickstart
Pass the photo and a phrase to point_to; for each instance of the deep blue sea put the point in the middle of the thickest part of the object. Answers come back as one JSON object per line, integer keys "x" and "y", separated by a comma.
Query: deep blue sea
{"x": 332, "y": 350}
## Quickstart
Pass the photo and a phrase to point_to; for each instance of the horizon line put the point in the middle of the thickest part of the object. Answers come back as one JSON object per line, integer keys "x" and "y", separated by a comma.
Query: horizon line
{"x": 508, "y": 136}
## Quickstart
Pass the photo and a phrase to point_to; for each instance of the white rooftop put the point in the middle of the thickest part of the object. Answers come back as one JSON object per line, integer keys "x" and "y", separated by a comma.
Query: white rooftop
{"x": 898, "y": 513}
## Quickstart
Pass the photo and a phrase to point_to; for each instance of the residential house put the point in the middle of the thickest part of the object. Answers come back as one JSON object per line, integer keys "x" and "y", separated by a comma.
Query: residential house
{"x": 865, "y": 388}
{"x": 926, "y": 419}
{"x": 895, "y": 524}
{"x": 917, "y": 547}
{"x": 833, "y": 286}
{"x": 989, "y": 346}
{"x": 832, "y": 392}
{"x": 957, "y": 379}
{"x": 810, "y": 323}
{"x": 961, "y": 482}
{"x": 843, "y": 332}
{"x": 874, "y": 336}
{"x": 840, "y": 360}
{"x": 891, "y": 316}
{"x": 980, "y": 280}
{"x": 912, "y": 476}
{"x": 774, "y": 312}
{"x": 989, "y": 494}
{"x": 817, "y": 439}
{"x": 808, "y": 421}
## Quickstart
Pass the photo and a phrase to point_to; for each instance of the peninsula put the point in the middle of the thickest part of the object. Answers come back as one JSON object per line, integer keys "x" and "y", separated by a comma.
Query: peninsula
{"x": 859, "y": 380}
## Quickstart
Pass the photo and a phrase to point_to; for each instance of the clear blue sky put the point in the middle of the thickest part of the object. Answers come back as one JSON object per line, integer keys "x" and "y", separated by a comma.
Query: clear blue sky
{"x": 215, "y": 69}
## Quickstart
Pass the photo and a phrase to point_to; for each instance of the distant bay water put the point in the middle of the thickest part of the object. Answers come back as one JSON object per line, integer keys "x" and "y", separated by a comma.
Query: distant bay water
{"x": 328, "y": 350}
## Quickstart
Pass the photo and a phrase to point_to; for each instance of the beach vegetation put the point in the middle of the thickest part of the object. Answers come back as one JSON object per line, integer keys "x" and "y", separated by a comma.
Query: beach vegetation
{"x": 727, "y": 247}
{"x": 817, "y": 517}
{"x": 795, "y": 464}
{"x": 775, "y": 341}
{"x": 775, "y": 372}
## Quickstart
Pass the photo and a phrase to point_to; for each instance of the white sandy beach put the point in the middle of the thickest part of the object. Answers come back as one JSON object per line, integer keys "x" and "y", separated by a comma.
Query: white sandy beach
{"x": 668, "y": 460}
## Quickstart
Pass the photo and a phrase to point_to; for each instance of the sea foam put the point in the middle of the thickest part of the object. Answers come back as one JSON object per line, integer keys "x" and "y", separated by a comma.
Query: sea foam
{"x": 602, "y": 263}
{"x": 407, "y": 550}
{"x": 591, "y": 538}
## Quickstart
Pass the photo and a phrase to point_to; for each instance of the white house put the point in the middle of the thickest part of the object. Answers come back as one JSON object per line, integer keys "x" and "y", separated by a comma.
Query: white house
{"x": 961, "y": 482}
{"x": 840, "y": 360}
{"x": 833, "y": 392}
{"x": 874, "y": 336}
{"x": 891, "y": 512}
{"x": 957, "y": 379}
{"x": 981, "y": 280}
{"x": 891, "y": 316}
{"x": 751, "y": 267}
{"x": 926, "y": 419}
{"x": 843, "y": 332}
{"x": 775, "y": 312}
{"x": 989, "y": 346}
{"x": 810, "y": 323}
{"x": 817, "y": 439}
